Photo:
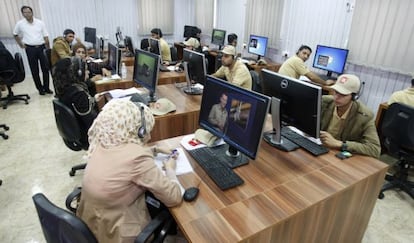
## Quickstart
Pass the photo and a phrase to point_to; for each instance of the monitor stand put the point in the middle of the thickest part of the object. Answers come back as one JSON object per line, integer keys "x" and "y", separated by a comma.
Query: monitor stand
{"x": 190, "y": 89}
{"x": 274, "y": 137}
{"x": 228, "y": 155}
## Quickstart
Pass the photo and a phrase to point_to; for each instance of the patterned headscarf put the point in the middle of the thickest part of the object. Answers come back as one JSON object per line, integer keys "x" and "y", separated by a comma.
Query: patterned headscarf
{"x": 118, "y": 123}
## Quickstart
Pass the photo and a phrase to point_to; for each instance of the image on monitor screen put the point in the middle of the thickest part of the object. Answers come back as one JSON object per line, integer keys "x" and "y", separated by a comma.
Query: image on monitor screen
{"x": 218, "y": 37}
{"x": 257, "y": 45}
{"x": 114, "y": 58}
{"x": 90, "y": 35}
{"x": 300, "y": 102}
{"x": 195, "y": 69}
{"x": 237, "y": 116}
{"x": 146, "y": 72}
{"x": 331, "y": 59}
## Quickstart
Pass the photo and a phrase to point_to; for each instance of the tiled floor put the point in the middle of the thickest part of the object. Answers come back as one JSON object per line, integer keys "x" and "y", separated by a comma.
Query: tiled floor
{"x": 34, "y": 159}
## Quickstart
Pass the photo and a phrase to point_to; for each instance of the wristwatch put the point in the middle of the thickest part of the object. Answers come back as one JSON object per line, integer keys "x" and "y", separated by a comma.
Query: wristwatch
{"x": 344, "y": 146}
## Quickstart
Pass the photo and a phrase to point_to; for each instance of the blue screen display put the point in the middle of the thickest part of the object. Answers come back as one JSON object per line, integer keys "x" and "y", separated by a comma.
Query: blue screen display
{"x": 257, "y": 45}
{"x": 330, "y": 59}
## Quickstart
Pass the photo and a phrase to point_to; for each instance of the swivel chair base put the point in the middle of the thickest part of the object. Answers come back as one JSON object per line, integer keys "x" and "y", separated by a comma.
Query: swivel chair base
{"x": 6, "y": 128}
{"x": 75, "y": 168}
{"x": 399, "y": 180}
{"x": 11, "y": 97}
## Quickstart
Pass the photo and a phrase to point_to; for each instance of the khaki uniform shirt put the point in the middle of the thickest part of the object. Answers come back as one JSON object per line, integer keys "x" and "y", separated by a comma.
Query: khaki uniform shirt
{"x": 239, "y": 75}
{"x": 294, "y": 67}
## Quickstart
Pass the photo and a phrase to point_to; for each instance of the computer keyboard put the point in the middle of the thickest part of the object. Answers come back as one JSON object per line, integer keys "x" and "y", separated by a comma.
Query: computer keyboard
{"x": 224, "y": 177}
{"x": 303, "y": 142}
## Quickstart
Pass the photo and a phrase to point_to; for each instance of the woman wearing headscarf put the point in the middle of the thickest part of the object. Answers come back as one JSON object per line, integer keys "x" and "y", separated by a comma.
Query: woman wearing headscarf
{"x": 71, "y": 89}
{"x": 120, "y": 169}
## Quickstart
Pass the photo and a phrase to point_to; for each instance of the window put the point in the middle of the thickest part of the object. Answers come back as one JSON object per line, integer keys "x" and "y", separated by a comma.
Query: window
{"x": 156, "y": 14}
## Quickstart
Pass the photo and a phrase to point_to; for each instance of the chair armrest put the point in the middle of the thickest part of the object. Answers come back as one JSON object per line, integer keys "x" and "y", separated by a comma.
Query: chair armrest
{"x": 163, "y": 219}
{"x": 73, "y": 196}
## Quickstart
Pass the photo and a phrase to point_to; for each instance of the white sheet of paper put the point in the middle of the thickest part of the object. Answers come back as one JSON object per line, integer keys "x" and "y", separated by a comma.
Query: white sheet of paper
{"x": 183, "y": 165}
{"x": 117, "y": 93}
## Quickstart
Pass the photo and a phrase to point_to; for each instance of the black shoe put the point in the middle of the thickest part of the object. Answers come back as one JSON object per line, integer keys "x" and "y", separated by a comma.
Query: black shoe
{"x": 48, "y": 91}
{"x": 42, "y": 92}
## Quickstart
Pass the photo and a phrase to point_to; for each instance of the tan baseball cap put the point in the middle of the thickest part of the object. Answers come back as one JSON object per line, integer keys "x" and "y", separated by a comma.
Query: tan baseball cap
{"x": 162, "y": 107}
{"x": 192, "y": 42}
{"x": 347, "y": 84}
{"x": 229, "y": 50}
{"x": 205, "y": 137}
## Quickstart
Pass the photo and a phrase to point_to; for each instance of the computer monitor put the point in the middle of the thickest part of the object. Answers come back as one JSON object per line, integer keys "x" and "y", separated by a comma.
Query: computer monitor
{"x": 146, "y": 72}
{"x": 331, "y": 59}
{"x": 257, "y": 45}
{"x": 129, "y": 46}
{"x": 300, "y": 103}
{"x": 114, "y": 58}
{"x": 90, "y": 35}
{"x": 218, "y": 37}
{"x": 245, "y": 114}
{"x": 154, "y": 46}
{"x": 189, "y": 31}
{"x": 195, "y": 70}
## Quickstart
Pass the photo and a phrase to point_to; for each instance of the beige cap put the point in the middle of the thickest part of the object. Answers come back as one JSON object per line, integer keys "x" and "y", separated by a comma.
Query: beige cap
{"x": 205, "y": 137}
{"x": 347, "y": 84}
{"x": 229, "y": 50}
{"x": 162, "y": 106}
{"x": 192, "y": 42}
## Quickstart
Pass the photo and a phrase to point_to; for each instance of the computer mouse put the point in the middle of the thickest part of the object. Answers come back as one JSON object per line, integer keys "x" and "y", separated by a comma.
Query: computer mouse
{"x": 190, "y": 194}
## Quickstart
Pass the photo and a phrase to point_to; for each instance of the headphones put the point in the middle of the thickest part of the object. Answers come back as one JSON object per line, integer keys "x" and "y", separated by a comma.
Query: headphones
{"x": 142, "y": 130}
{"x": 80, "y": 73}
{"x": 67, "y": 31}
{"x": 355, "y": 96}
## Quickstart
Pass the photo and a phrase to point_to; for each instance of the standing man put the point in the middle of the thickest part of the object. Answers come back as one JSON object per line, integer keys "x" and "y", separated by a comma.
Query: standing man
{"x": 233, "y": 70}
{"x": 31, "y": 34}
{"x": 295, "y": 67}
{"x": 61, "y": 46}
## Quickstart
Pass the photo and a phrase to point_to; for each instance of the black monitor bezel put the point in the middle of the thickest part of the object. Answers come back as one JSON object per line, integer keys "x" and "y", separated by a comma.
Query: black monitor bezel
{"x": 112, "y": 47}
{"x": 152, "y": 40}
{"x": 128, "y": 44}
{"x": 270, "y": 83}
{"x": 330, "y": 71}
{"x": 189, "y": 31}
{"x": 153, "y": 86}
{"x": 90, "y": 35}
{"x": 247, "y": 94}
{"x": 221, "y": 43}
{"x": 201, "y": 55}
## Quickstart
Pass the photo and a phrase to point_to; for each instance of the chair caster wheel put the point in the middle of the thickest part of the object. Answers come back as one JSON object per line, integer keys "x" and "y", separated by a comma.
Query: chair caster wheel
{"x": 72, "y": 173}
{"x": 381, "y": 195}
{"x": 27, "y": 102}
{"x": 6, "y": 128}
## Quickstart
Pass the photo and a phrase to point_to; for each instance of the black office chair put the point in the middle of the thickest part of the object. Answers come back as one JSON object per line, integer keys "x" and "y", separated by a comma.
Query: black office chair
{"x": 2, "y": 133}
{"x": 70, "y": 131}
{"x": 397, "y": 131}
{"x": 161, "y": 224}
{"x": 11, "y": 72}
{"x": 256, "y": 83}
{"x": 174, "y": 53}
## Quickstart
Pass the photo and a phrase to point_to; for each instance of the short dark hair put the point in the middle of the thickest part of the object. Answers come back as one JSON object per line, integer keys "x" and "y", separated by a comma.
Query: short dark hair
{"x": 157, "y": 31}
{"x": 68, "y": 31}
{"x": 231, "y": 37}
{"x": 24, "y": 7}
{"x": 303, "y": 47}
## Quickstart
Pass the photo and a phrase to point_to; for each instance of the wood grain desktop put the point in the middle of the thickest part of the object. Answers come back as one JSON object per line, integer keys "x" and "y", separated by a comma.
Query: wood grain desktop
{"x": 286, "y": 197}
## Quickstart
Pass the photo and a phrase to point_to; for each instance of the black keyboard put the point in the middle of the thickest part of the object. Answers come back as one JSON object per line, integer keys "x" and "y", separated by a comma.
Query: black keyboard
{"x": 221, "y": 174}
{"x": 303, "y": 142}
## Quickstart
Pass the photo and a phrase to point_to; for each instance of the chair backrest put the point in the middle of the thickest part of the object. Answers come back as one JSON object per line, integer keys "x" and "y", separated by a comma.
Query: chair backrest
{"x": 174, "y": 53}
{"x": 256, "y": 84}
{"x": 60, "y": 226}
{"x": 397, "y": 128}
{"x": 68, "y": 126}
{"x": 8, "y": 67}
{"x": 21, "y": 74}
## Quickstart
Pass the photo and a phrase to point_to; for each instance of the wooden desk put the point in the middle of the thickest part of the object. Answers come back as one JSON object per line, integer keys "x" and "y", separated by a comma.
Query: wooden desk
{"x": 286, "y": 197}
{"x": 163, "y": 78}
{"x": 129, "y": 61}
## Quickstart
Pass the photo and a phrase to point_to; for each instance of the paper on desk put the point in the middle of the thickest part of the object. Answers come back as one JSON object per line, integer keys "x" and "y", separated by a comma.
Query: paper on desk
{"x": 304, "y": 78}
{"x": 118, "y": 93}
{"x": 183, "y": 165}
{"x": 97, "y": 60}
{"x": 171, "y": 68}
{"x": 189, "y": 143}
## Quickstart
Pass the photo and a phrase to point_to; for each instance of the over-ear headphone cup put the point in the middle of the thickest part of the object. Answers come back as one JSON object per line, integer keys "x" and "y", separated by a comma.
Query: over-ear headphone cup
{"x": 142, "y": 130}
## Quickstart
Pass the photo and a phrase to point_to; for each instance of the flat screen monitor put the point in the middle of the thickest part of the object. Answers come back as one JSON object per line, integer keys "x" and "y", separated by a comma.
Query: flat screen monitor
{"x": 331, "y": 59}
{"x": 154, "y": 46}
{"x": 190, "y": 31}
{"x": 146, "y": 72}
{"x": 114, "y": 58}
{"x": 90, "y": 35}
{"x": 242, "y": 119}
{"x": 257, "y": 45}
{"x": 218, "y": 37}
{"x": 196, "y": 70}
{"x": 300, "y": 102}
{"x": 129, "y": 46}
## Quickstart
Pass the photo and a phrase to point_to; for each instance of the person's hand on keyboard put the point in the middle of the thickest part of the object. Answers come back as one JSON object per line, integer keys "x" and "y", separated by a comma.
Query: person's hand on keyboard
{"x": 329, "y": 141}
